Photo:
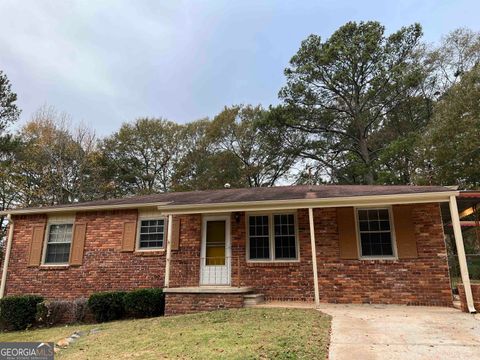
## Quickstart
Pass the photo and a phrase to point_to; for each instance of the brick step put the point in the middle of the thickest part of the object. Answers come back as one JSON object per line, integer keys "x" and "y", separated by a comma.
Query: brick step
{"x": 253, "y": 299}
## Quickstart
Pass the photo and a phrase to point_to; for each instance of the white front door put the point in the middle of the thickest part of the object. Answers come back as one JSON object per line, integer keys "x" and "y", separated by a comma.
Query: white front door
{"x": 215, "y": 266}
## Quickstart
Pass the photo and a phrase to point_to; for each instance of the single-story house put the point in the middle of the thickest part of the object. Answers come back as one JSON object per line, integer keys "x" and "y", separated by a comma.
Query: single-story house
{"x": 226, "y": 248}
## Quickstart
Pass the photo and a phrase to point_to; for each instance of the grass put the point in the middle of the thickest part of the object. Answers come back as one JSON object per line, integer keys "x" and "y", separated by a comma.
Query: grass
{"x": 229, "y": 334}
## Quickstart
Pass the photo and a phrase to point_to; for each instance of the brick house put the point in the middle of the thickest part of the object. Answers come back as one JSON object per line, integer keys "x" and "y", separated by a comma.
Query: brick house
{"x": 226, "y": 248}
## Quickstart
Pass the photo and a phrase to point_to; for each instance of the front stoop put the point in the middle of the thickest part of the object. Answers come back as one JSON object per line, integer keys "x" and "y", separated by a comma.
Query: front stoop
{"x": 250, "y": 300}
{"x": 188, "y": 300}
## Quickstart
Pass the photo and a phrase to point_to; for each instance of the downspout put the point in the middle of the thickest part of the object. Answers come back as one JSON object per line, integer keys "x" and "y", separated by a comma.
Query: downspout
{"x": 462, "y": 259}
{"x": 314, "y": 257}
{"x": 7, "y": 255}
{"x": 169, "y": 250}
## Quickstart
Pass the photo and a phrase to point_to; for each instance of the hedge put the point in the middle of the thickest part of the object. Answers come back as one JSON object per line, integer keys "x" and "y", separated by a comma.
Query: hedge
{"x": 107, "y": 306}
{"x": 18, "y": 312}
{"x": 145, "y": 303}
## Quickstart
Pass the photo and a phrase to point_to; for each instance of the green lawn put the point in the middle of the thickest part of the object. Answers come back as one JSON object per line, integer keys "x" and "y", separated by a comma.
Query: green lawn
{"x": 234, "y": 334}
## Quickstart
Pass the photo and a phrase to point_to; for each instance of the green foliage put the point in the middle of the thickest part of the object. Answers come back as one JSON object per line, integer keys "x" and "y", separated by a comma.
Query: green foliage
{"x": 342, "y": 89}
{"x": 145, "y": 303}
{"x": 451, "y": 147}
{"x": 202, "y": 166}
{"x": 9, "y": 112}
{"x": 18, "y": 312}
{"x": 107, "y": 306}
{"x": 141, "y": 156}
{"x": 243, "y": 132}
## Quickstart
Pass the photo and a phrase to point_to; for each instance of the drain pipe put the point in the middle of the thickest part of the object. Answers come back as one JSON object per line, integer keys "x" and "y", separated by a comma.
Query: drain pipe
{"x": 462, "y": 259}
{"x": 7, "y": 255}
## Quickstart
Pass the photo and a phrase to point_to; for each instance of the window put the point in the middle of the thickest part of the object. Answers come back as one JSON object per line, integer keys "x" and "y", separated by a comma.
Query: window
{"x": 272, "y": 237}
{"x": 58, "y": 244}
{"x": 259, "y": 238}
{"x": 285, "y": 237}
{"x": 151, "y": 234}
{"x": 375, "y": 232}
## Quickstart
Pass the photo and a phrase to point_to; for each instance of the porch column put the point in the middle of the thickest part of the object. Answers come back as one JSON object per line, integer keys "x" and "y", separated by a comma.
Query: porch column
{"x": 169, "y": 250}
{"x": 6, "y": 259}
{"x": 462, "y": 259}
{"x": 314, "y": 256}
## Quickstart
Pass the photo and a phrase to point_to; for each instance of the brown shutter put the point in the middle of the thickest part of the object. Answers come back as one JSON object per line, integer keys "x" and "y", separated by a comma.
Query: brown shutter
{"x": 404, "y": 231}
{"x": 175, "y": 234}
{"x": 36, "y": 245}
{"x": 347, "y": 233}
{"x": 78, "y": 243}
{"x": 129, "y": 235}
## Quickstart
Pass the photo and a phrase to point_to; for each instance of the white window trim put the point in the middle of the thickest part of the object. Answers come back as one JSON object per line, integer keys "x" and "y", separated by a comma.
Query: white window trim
{"x": 271, "y": 236}
{"x": 139, "y": 223}
{"x": 46, "y": 238}
{"x": 392, "y": 232}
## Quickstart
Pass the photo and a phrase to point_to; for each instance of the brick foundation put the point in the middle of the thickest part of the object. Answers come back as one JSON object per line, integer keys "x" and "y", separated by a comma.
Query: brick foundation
{"x": 476, "y": 297}
{"x": 177, "y": 304}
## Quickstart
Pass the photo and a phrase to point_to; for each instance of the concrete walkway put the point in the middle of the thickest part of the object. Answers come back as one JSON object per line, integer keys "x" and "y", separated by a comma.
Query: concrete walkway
{"x": 402, "y": 332}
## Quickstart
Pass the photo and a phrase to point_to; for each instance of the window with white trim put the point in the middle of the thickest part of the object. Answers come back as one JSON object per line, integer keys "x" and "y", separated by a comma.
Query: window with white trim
{"x": 58, "y": 243}
{"x": 375, "y": 232}
{"x": 151, "y": 234}
{"x": 272, "y": 237}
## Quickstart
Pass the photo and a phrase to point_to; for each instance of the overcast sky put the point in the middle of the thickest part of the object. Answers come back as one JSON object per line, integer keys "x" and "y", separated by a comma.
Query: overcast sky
{"x": 106, "y": 62}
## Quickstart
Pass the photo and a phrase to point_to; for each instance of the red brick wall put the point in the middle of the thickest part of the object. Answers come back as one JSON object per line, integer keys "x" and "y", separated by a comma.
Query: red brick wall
{"x": 424, "y": 280}
{"x": 104, "y": 266}
{"x": 475, "y": 293}
{"x": 185, "y": 262}
{"x": 176, "y": 304}
{"x": 420, "y": 281}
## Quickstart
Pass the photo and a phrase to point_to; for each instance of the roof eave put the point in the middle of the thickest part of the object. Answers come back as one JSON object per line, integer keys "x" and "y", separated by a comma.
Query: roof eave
{"x": 80, "y": 208}
{"x": 369, "y": 200}
{"x": 168, "y": 208}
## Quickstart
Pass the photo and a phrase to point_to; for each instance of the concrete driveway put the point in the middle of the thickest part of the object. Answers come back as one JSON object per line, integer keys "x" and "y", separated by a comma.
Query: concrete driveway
{"x": 402, "y": 332}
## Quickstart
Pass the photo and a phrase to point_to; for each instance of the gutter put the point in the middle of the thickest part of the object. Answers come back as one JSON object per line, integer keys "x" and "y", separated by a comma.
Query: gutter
{"x": 7, "y": 255}
{"x": 72, "y": 208}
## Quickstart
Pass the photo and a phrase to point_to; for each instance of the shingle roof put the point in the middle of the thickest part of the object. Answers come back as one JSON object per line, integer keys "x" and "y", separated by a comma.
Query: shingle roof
{"x": 257, "y": 194}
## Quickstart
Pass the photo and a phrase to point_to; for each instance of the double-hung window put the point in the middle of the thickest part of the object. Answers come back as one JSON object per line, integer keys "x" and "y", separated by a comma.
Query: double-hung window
{"x": 375, "y": 232}
{"x": 151, "y": 234}
{"x": 59, "y": 240}
{"x": 272, "y": 237}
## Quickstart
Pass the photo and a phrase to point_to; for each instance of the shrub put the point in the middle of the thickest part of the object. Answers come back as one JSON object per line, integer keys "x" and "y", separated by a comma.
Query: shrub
{"x": 80, "y": 310}
{"x": 18, "y": 312}
{"x": 53, "y": 312}
{"x": 145, "y": 303}
{"x": 107, "y": 306}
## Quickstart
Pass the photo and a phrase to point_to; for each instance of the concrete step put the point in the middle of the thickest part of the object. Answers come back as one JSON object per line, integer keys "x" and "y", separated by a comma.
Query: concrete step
{"x": 253, "y": 299}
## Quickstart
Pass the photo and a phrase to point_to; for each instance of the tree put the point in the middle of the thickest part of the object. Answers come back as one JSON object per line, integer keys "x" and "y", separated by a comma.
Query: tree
{"x": 141, "y": 157}
{"x": 9, "y": 112}
{"x": 451, "y": 146}
{"x": 457, "y": 54}
{"x": 242, "y": 131}
{"x": 202, "y": 166}
{"x": 341, "y": 92}
{"x": 53, "y": 163}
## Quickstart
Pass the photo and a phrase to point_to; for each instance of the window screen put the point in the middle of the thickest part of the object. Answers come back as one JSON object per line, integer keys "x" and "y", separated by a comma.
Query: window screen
{"x": 58, "y": 244}
{"x": 151, "y": 234}
{"x": 375, "y": 232}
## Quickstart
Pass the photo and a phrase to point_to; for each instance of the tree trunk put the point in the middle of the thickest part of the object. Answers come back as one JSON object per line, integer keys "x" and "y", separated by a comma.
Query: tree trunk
{"x": 366, "y": 158}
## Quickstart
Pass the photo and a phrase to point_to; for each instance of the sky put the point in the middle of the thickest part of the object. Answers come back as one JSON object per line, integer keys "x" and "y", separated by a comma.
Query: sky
{"x": 111, "y": 61}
